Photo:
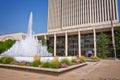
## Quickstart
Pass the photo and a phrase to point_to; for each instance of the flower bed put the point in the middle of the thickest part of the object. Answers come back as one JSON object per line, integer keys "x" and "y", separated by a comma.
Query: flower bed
{"x": 55, "y": 63}
{"x": 54, "y": 66}
{"x": 51, "y": 71}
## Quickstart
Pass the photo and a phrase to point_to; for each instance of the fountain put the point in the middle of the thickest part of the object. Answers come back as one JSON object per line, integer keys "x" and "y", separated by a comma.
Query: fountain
{"x": 28, "y": 47}
{"x": 29, "y": 50}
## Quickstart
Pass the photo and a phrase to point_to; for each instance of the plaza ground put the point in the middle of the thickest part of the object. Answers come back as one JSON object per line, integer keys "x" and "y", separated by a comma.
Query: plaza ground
{"x": 103, "y": 70}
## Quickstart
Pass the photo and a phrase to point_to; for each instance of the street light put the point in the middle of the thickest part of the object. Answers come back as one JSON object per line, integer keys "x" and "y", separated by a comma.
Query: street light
{"x": 113, "y": 38}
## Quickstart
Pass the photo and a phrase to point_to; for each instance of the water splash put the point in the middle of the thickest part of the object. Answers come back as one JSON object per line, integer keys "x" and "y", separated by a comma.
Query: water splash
{"x": 30, "y": 33}
{"x": 28, "y": 47}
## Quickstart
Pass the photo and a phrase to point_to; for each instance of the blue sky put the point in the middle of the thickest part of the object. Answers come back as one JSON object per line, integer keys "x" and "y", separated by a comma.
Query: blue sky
{"x": 14, "y": 15}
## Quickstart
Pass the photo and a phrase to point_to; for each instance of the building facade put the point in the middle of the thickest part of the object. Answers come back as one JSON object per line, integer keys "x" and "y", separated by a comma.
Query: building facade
{"x": 71, "y": 14}
{"x": 73, "y": 25}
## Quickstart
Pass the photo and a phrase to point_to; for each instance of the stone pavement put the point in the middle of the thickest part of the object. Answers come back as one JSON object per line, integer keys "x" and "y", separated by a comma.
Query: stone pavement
{"x": 103, "y": 70}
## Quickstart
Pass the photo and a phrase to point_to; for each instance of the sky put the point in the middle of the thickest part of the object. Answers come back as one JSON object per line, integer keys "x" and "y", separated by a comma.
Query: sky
{"x": 14, "y": 15}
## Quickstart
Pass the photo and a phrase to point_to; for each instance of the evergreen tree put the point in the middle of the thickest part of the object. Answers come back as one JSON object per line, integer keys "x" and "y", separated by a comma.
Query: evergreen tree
{"x": 102, "y": 45}
{"x": 117, "y": 41}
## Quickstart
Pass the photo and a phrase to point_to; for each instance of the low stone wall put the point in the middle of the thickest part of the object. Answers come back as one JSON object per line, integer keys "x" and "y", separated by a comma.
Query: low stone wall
{"x": 50, "y": 71}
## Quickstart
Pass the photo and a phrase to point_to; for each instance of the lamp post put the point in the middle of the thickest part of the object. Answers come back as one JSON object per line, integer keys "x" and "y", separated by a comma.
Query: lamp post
{"x": 113, "y": 38}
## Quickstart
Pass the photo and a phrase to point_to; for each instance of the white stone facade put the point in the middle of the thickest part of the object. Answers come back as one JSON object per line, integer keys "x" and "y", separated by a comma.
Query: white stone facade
{"x": 15, "y": 36}
{"x": 71, "y": 14}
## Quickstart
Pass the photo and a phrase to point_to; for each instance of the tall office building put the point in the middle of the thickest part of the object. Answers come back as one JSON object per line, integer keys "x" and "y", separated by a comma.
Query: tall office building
{"x": 73, "y": 25}
{"x": 70, "y": 14}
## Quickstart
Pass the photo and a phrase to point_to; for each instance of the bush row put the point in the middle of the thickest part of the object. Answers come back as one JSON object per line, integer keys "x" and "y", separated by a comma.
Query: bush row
{"x": 55, "y": 63}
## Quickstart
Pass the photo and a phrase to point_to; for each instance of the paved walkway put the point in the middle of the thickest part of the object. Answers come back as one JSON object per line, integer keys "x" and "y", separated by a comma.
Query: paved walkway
{"x": 103, "y": 70}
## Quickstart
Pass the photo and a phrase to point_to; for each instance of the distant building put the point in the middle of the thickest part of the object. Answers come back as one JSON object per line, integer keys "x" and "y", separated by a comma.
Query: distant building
{"x": 16, "y": 36}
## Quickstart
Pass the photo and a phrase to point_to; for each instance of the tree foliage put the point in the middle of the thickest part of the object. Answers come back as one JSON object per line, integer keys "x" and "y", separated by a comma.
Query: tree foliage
{"x": 50, "y": 49}
{"x": 44, "y": 41}
{"x": 117, "y": 41}
{"x": 102, "y": 45}
{"x": 4, "y": 45}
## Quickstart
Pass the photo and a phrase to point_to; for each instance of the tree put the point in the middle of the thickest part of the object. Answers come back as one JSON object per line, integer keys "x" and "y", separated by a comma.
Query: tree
{"x": 102, "y": 45}
{"x": 50, "y": 49}
{"x": 4, "y": 45}
{"x": 117, "y": 41}
{"x": 44, "y": 42}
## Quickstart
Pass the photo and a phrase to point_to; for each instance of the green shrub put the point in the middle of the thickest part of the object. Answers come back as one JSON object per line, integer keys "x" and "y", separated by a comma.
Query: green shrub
{"x": 104, "y": 54}
{"x": 94, "y": 58}
{"x": 55, "y": 62}
{"x": 82, "y": 59}
{"x": 66, "y": 61}
{"x": 74, "y": 60}
{"x": 6, "y": 60}
{"x": 0, "y": 60}
{"x": 47, "y": 65}
{"x": 36, "y": 63}
{"x": 55, "y": 65}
